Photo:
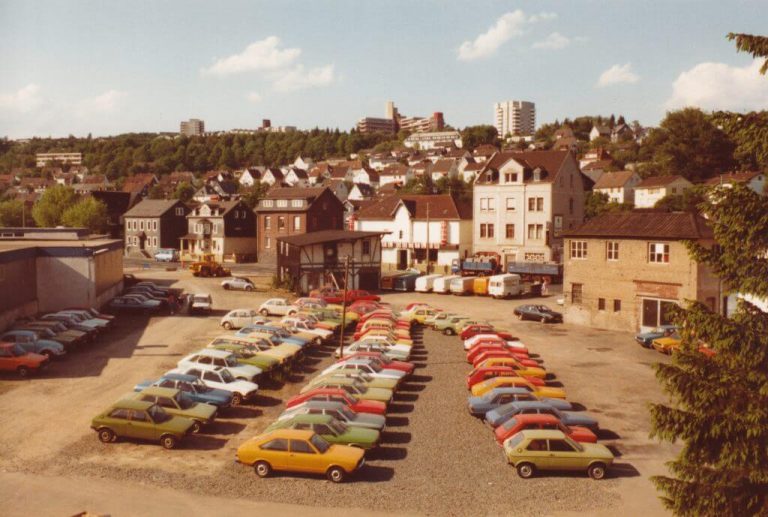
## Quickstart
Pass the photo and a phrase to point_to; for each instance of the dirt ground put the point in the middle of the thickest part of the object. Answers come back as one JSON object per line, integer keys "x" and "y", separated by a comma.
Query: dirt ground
{"x": 435, "y": 458}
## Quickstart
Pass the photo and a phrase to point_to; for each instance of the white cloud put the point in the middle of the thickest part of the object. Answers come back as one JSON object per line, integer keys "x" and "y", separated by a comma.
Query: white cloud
{"x": 104, "y": 103}
{"x": 299, "y": 78}
{"x": 554, "y": 41}
{"x": 261, "y": 55}
{"x": 717, "y": 86}
{"x": 25, "y": 99}
{"x": 508, "y": 26}
{"x": 253, "y": 97}
{"x": 618, "y": 74}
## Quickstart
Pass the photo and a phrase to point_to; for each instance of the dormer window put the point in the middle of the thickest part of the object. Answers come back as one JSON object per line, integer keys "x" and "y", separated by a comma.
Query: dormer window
{"x": 282, "y": 202}
{"x": 537, "y": 174}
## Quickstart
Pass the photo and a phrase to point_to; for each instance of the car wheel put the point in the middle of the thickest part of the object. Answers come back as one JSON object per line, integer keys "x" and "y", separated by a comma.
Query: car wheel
{"x": 248, "y": 288}
{"x": 226, "y": 287}
{"x": 237, "y": 399}
{"x": 262, "y": 469}
{"x": 291, "y": 313}
{"x": 48, "y": 354}
{"x": 526, "y": 470}
{"x": 195, "y": 427}
{"x": 596, "y": 471}
{"x": 543, "y": 319}
{"x": 227, "y": 325}
{"x": 520, "y": 317}
{"x": 168, "y": 441}
{"x": 23, "y": 372}
{"x": 106, "y": 435}
{"x": 448, "y": 332}
{"x": 264, "y": 312}
{"x": 336, "y": 474}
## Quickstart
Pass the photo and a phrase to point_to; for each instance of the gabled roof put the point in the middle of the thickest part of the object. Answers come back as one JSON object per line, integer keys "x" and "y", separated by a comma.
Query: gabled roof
{"x": 151, "y": 208}
{"x": 658, "y": 181}
{"x": 441, "y": 206}
{"x": 300, "y": 173}
{"x": 138, "y": 182}
{"x": 597, "y": 165}
{"x": 365, "y": 189}
{"x": 225, "y": 206}
{"x": 639, "y": 224}
{"x": 603, "y": 130}
{"x": 443, "y": 166}
{"x": 308, "y": 193}
{"x": 614, "y": 179}
{"x": 550, "y": 162}
{"x": 396, "y": 169}
{"x": 276, "y": 173}
{"x": 485, "y": 150}
{"x": 733, "y": 177}
{"x": 339, "y": 171}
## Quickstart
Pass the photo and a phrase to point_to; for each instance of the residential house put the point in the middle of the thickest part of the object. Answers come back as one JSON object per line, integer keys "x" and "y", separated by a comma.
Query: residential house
{"x": 594, "y": 155}
{"x": 396, "y": 173}
{"x": 563, "y": 132}
{"x": 470, "y": 171}
{"x": 599, "y": 131}
{"x": 360, "y": 191}
{"x": 523, "y": 201}
{"x": 65, "y": 178}
{"x": 34, "y": 184}
{"x": 755, "y": 180}
{"x": 444, "y": 168}
{"x": 621, "y": 133}
{"x": 619, "y": 186}
{"x": 484, "y": 152}
{"x": 215, "y": 190}
{"x": 139, "y": 184}
{"x": 433, "y": 139}
{"x": 569, "y": 143}
{"x": 415, "y": 158}
{"x": 249, "y": 176}
{"x": 343, "y": 173}
{"x": 352, "y": 207}
{"x": 153, "y": 224}
{"x": 420, "y": 229}
{"x": 339, "y": 188}
{"x": 652, "y": 189}
{"x": 327, "y": 257}
{"x": 296, "y": 177}
{"x": 421, "y": 169}
{"x": 294, "y": 211}
{"x": 319, "y": 173}
{"x": 627, "y": 270}
{"x": 303, "y": 162}
{"x": 381, "y": 161}
{"x": 273, "y": 177}
{"x": 367, "y": 176}
{"x": 224, "y": 229}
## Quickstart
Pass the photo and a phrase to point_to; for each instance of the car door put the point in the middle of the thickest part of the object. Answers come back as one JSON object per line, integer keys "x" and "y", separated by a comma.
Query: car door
{"x": 305, "y": 458}
{"x": 277, "y": 454}
{"x": 117, "y": 420}
{"x": 563, "y": 456}
{"x": 537, "y": 453}
{"x": 140, "y": 426}
{"x": 212, "y": 379}
{"x": 7, "y": 361}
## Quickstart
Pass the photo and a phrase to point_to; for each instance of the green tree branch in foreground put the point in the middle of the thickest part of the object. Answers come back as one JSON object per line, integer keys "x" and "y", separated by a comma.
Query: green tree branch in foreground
{"x": 755, "y": 45}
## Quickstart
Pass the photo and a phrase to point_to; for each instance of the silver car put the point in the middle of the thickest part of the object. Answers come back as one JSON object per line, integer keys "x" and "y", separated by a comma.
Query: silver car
{"x": 238, "y": 282}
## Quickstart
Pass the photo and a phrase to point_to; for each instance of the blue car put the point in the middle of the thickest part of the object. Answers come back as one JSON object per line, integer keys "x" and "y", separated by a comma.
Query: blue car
{"x": 31, "y": 342}
{"x": 479, "y": 406}
{"x": 279, "y": 334}
{"x": 502, "y": 414}
{"x": 646, "y": 338}
{"x": 192, "y": 387}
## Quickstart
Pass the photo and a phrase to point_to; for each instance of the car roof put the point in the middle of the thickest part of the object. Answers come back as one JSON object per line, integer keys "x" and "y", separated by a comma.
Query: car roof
{"x": 529, "y": 404}
{"x": 179, "y": 377}
{"x": 296, "y": 434}
{"x": 321, "y": 404}
{"x": 132, "y": 404}
{"x": 160, "y": 392}
{"x": 312, "y": 419}
{"x": 513, "y": 391}
{"x": 543, "y": 434}
{"x": 537, "y": 418}
{"x": 212, "y": 352}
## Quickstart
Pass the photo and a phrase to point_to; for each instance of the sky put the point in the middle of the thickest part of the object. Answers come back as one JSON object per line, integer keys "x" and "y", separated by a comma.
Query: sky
{"x": 110, "y": 67}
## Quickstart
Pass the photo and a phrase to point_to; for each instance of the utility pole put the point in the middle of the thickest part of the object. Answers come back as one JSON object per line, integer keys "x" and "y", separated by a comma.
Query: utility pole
{"x": 344, "y": 307}
{"x": 427, "y": 237}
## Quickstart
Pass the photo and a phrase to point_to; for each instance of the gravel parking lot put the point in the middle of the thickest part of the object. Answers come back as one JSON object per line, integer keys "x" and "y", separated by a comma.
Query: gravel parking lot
{"x": 435, "y": 458}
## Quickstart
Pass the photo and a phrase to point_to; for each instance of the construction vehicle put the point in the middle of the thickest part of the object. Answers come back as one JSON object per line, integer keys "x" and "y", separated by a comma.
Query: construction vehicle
{"x": 208, "y": 266}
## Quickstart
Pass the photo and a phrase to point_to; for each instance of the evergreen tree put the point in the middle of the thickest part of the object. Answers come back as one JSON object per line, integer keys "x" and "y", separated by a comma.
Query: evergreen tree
{"x": 719, "y": 407}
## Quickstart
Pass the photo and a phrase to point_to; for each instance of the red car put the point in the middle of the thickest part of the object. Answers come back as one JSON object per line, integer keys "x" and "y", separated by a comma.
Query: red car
{"x": 472, "y": 330}
{"x": 338, "y": 395}
{"x": 539, "y": 421}
{"x": 488, "y": 372}
{"x": 523, "y": 360}
{"x": 479, "y": 349}
{"x": 386, "y": 362}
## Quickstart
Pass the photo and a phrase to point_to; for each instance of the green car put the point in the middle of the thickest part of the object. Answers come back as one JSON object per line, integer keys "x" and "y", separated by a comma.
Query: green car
{"x": 368, "y": 380}
{"x": 176, "y": 403}
{"x": 141, "y": 420}
{"x": 545, "y": 449}
{"x": 353, "y": 387}
{"x": 248, "y": 353}
{"x": 448, "y": 325}
{"x": 333, "y": 430}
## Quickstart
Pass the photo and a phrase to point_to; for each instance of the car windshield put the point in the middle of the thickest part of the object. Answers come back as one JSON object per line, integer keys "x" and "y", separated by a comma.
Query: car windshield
{"x": 337, "y": 427}
{"x": 319, "y": 442}
{"x": 226, "y": 376}
{"x": 347, "y": 413}
{"x": 200, "y": 299}
{"x": 360, "y": 387}
{"x": 515, "y": 440}
{"x": 200, "y": 387}
{"x": 184, "y": 401}
{"x": 18, "y": 351}
{"x": 231, "y": 361}
{"x": 157, "y": 414}
{"x": 375, "y": 367}
{"x": 575, "y": 444}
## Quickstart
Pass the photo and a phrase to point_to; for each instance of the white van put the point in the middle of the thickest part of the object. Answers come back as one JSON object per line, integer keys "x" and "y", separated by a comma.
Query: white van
{"x": 463, "y": 285}
{"x": 503, "y": 286}
{"x": 442, "y": 285}
{"x": 424, "y": 283}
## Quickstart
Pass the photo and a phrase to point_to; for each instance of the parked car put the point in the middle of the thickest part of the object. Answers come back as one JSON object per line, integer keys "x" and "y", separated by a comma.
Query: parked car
{"x": 479, "y": 406}
{"x": 13, "y": 358}
{"x": 55, "y": 331}
{"x": 646, "y": 338}
{"x": 364, "y": 378}
{"x": 213, "y": 357}
{"x": 142, "y": 420}
{"x": 175, "y": 402}
{"x": 278, "y": 334}
{"x": 481, "y": 388}
{"x": 386, "y": 347}
{"x": 375, "y": 370}
{"x": 353, "y": 387}
{"x": 221, "y": 378}
{"x": 501, "y": 415}
{"x": 524, "y": 422}
{"x": 529, "y": 451}
{"x": 31, "y": 342}
{"x": 167, "y": 255}
{"x": 240, "y": 318}
{"x": 293, "y": 450}
{"x": 191, "y": 386}
{"x": 238, "y": 283}
{"x": 134, "y": 304}
{"x": 382, "y": 361}
{"x": 339, "y": 411}
{"x": 295, "y": 324}
{"x": 278, "y": 307}
{"x": 200, "y": 303}
{"x": 373, "y": 407}
{"x": 331, "y": 429}
{"x": 448, "y": 325}
{"x": 540, "y": 313}
{"x": 86, "y": 318}
{"x": 481, "y": 374}
{"x": 667, "y": 345}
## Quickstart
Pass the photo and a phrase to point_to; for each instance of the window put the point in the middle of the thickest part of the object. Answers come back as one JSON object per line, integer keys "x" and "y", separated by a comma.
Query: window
{"x": 119, "y": 413}
{"x": 658, "y": 252}
{"x": 510, "y": 231}
{"x": 657, "y": 312}
{"x": 400, "y": 233}
{"x": 616, "y": 305}
{"x": 578, "y": 249}
{"x": 490, "y": 231}
{"x": 535, "y": 204}
{"x": 612, "y": 250}
{"x": 537, "y": 445}
{"x": 510, "y": 177}
{"x": 483, "y": 203}
{"x": 535, "y": 231}
{"x": 141, "y": 225}
{"x": 268, "y": 222}
{"x": 268, "y": 242}
{"x": 278, "y": 444}
{"x": 139, "y": 416}
{"x": 282, "y": 202}
{"x": 297, "y": 203}
{"x": 570, "y": 205}
{"x": 560, "y": 446}
{"x": 539, "y": 204}
{"x": 486, "y": 231}
{"x": 154, "y": 225}
{"x": 531, "y": 204}
{"x": 297, "y": 222}
{"x": 281, "y": 222}
{"x": 179, "y": 210}
{"x": 576, "y": 293}
{"x": 215, "y": 227}
{"x": 268, "y": 203}
{"x": 601, "y": 304}
{"x": 301, "y": 446}
{"x": 366, "y": 247}
{"x": 510, "y": 204}
{"x": 491, "y": 204}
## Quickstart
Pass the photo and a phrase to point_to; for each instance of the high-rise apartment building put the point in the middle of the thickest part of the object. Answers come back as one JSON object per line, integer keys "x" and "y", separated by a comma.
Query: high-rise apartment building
{"x": 192, "y": 127}
{"x": 515, "y": 118}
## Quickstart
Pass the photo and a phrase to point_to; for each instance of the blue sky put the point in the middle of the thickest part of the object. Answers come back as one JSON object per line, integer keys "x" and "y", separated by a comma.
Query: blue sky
{"x": 108, "y": 67}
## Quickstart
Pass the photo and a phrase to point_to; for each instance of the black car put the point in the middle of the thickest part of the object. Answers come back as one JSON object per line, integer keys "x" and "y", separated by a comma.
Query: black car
{"x": 540, "y": 313}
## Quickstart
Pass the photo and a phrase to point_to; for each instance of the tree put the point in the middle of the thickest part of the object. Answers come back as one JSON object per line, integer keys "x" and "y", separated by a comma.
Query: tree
{"x": 11, "y": 213}
{"x": 688, "y": 144}
{"x": 251, "y": 195}
{"x": 597, "y": 203}
{"x": 156, "y": 192}
{"x": 48, "y": 210}
{"x": 755, "y": 45}
{"x": 87, "y": 213}
{"x": 473, "y": 136}
{"x": 719, "y": 404}
{"x": 688, "y": 201}
{"x": 184, "y": 192}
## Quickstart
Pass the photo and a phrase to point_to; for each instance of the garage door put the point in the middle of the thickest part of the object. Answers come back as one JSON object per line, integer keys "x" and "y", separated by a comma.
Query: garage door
{"x": 369, "y": 280}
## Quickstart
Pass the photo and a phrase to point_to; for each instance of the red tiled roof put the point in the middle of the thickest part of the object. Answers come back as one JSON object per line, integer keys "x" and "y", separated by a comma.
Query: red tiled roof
{"x": 614, "y": 179}
{"x": 443, "y": 165}
{"x": 396, "y": 169}
{"x": 441, "y": 206}
{"x": 294, "y": 193}
{"x": 597, "y": 165}
{"x": 639, "y": 224}
{"x": 549, "y": 161}
{"x": 733, "y": 177}
{"x": 658, "y": 181}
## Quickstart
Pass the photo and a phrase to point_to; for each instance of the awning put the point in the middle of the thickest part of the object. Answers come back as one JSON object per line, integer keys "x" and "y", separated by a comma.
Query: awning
{"x": 191, "y": 237}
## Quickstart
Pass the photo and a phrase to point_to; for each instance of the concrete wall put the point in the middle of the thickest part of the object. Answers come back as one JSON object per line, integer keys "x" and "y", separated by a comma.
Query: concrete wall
{"x": 17, "y": 283}
{"x": 108, "y": 270}
{"x": 23, "y": 310}
{"x": 65, "y": 281}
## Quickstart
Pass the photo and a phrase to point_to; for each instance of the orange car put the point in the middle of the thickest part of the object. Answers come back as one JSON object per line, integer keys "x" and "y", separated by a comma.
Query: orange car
{"x": 13, "y": 358}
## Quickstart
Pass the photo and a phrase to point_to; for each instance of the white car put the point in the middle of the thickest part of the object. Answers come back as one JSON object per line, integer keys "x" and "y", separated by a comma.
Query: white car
{"x": 278, "y": 307}
{"x": 238, "y": 282}
{"x": 397, "y": 352}
{"x": 295, "y": 324}
{"x": 469, "y": 343}
{"x": 239, "y": 318}
{"x": 200, "y": 302}
{"x": 365, "y": 366}
{"x": 212, "y": 357}
{"x": 221, "y": 378}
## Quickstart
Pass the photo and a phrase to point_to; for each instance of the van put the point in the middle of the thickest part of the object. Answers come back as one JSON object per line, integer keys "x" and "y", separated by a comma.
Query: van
{"x": 462, "y": 285}
{"x": 504, "y": 286}
{"x": 442, "y": 285}
{"x": 388, "y": 280}
{"x": 167, "y": 255}
{"x": 406, "y": 282}
{"x": 424, "y": 283}
{"x": 480, "y": 287}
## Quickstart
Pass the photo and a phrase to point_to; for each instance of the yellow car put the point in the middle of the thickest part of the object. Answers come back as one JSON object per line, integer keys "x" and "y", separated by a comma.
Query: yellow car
{"x": 667, "y": 345}
{"x": 419, "y": 313}
{"x": 293, "y": 450}
{"x": 481, "y": 388}
{"x": 523, "y": 371}
{"x": 383, "y": 333}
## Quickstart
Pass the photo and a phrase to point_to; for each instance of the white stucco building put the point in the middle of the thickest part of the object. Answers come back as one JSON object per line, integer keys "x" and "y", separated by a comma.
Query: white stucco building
{"x": 652, "y": 189}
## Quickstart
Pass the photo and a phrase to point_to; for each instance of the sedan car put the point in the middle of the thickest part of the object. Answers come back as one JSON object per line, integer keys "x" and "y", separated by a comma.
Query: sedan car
{"x": 542, "y": 421}
{"x": 646, "y": 338}
{"x": 481, "y": 388}
{"x": 339, "y": 411}
{"x": 220, "y": 378}
{"x": 240, "y": 318}
{"x": 141, "y": 420}
{"x": 501, "y": 415}
{"x": 30, "y": 341}
{"x": 15, "y": 359}
{"x": 479, "y": 406}
{"x": 238, "y": 283}
{"x": 134, "y": 304}
{"x": 353, "y": 387}
{"x": 372, "y": 407}
{"x": 667, "y": 345}
{"x": 192, "y": 387}
{"x": 331, "y": 429}
{"x": 540, "y": 313}
{"x": 175, "y": 402}
{"x": 542, "y": 449}
{"x": 209, "y": 357}
{"x": 292, "y": 450}
{"x": 278, "y": 307}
